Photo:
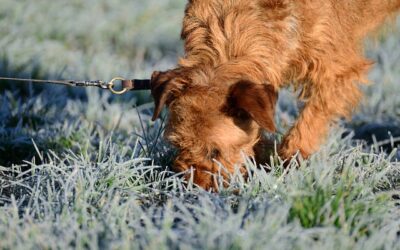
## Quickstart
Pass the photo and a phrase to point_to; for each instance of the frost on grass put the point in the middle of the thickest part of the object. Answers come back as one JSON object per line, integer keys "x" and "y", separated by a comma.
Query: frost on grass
{"x": 107, "y": 198}
{"x": 88, "y": 170}
{"x": 106, "y": 186}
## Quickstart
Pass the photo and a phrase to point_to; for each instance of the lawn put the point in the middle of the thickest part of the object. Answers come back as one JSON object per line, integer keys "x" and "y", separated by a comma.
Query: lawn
{"x": 80, "y": 168}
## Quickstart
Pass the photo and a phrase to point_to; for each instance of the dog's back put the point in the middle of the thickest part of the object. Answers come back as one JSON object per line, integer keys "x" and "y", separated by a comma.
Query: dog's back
{"x": 219, "y": 29}
{"x": 362, "y": 16}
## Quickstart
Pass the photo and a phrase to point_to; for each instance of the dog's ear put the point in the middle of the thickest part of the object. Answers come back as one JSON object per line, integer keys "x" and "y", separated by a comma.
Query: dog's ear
{"x": 255, "y": 100}
{"x": 165, "y": 86}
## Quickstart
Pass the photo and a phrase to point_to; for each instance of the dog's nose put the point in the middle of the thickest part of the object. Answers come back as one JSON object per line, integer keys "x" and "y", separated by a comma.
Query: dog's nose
{"x": 202, "y": 174}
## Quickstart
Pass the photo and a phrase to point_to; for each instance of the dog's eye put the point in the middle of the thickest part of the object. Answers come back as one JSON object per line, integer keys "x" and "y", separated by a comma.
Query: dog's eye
{"x": 214, "y": 153}
{"x": 241, "y": 114}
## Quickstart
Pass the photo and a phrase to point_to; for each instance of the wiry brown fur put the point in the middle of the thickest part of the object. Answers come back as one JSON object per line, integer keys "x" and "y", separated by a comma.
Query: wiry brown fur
{"x": 239, "y": 53}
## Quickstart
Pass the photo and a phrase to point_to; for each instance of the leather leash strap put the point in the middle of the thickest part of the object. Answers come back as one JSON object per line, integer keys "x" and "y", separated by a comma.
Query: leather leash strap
{"x": 136, "y": 84}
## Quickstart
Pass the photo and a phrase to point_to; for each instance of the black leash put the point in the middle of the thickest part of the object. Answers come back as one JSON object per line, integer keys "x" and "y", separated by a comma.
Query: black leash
{"x": 127, "y": 85}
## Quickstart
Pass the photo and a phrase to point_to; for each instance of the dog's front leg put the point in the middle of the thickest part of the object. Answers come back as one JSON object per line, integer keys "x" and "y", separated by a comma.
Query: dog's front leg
{"x": 307, "y": 133}
{"x": 328, "y": 102}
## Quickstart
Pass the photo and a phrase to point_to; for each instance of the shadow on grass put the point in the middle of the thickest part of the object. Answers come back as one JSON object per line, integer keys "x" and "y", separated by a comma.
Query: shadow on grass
{"x": 38, "y": 113}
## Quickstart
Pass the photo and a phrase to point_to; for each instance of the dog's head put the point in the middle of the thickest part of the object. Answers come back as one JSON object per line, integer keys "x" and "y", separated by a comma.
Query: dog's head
{"x": 212, "y": 124}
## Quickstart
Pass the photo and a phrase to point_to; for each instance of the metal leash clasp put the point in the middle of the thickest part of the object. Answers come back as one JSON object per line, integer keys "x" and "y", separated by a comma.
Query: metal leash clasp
{"x": 110, "y": 86}
{"x": 96, "y": 83}
{"x": 103, "y": 85}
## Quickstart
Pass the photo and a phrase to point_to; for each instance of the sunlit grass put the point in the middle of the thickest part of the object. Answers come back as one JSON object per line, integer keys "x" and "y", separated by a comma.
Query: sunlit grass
{"x": 84, "y": 169}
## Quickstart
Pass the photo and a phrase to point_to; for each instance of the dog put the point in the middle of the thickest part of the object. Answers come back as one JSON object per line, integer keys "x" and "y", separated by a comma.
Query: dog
{"x": 239, "y": 54}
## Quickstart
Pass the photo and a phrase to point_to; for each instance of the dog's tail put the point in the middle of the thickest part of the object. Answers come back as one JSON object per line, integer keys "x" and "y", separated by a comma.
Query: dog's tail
{"x": 372, "y": 13}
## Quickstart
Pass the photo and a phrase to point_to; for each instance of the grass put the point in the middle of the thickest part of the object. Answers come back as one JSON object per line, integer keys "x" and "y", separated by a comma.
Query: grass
{"x": 83, "y": 169}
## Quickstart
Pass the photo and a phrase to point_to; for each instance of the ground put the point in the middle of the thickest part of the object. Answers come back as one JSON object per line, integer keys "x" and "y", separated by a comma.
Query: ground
{"x": 85, "y": 169}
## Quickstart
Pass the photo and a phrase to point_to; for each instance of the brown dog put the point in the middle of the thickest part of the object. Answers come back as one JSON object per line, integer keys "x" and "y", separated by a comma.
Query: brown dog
{"x": 239, "y": 53}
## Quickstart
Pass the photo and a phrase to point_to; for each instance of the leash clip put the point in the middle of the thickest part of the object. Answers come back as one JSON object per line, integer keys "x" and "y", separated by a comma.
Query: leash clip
{"x": 111, "y": 85}
{"x": 96, "y": 83}
{"x": 103, "y": 85}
